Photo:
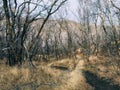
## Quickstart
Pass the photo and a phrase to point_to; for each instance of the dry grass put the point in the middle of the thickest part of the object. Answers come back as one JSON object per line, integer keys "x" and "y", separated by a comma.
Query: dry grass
{"x": 69, "y": 63}
{"x": 76, "y": 79}
{"x": 47, "y": 77}
{"x": 104, "y": 67}
{"x": 44, "y": 77}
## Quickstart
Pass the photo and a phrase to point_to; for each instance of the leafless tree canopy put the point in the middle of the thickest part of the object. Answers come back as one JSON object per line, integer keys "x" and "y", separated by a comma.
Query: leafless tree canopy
{"x": 29, "y": 30}
{"x": 17, "y": 18}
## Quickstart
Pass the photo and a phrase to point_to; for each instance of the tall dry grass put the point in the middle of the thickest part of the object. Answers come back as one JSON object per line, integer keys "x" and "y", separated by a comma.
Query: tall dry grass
{"x": 43, "y": 77}
{"x": 104, "y": 67}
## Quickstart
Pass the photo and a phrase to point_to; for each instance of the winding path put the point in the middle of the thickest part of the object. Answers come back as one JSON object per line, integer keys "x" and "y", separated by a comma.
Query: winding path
{"x": 76, "y": 79}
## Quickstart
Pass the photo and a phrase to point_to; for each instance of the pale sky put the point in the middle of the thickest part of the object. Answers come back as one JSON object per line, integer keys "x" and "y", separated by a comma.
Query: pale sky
{"x": 72, "y": 14}
{"x": 72, "y": 9}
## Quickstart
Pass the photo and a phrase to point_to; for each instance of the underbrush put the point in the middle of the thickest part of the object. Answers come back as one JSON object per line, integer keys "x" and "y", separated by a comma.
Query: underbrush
{"x": 43, "y": 77}
{"x": 65, "y": 74}
{"x": 104, "y": 67}
{"x": 24, "y": 77}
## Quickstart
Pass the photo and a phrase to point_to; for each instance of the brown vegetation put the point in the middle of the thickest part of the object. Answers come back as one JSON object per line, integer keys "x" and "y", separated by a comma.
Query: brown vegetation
{"x": 48, "y": 54}
{"x": 104, "y": 67}
{"x": 45, "y": 76}
{"x": 65, "y": 74}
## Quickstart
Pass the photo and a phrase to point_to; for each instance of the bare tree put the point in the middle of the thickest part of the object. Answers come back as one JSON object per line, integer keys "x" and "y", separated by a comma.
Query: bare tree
{"x": 103, "y": 37}
{"x": 19, "y": 17}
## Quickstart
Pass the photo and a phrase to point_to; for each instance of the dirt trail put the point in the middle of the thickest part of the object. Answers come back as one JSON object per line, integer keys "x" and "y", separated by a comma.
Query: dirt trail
{"x": 76, "y": 75}
{"x": 52, "y": 78}
{"x": 71, "y": 78}
{"x": 76, "y": 80}
{"x": 100, "y": 83}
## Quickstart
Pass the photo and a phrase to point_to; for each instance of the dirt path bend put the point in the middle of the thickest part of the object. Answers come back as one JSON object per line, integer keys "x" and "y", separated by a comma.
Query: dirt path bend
{"x": 67, "y": 78}
{"x": 76, "y": 80}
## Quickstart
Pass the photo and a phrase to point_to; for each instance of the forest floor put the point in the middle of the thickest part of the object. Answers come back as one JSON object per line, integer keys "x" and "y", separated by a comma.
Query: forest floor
{"x": 103, "y": 73}
{"x": 65, "y": 74}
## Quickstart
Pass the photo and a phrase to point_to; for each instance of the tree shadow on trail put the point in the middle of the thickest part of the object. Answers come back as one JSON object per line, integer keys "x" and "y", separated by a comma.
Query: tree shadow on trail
{"x": 98, "y": 83}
